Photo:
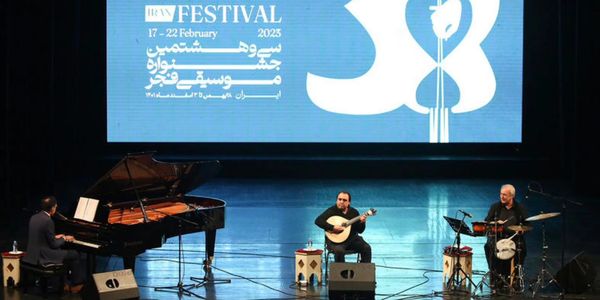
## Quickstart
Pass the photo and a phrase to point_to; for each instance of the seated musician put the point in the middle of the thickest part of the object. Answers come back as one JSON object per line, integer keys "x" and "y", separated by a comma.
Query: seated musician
{"x": 354, "y": 241}
{"x": 43, "y": 246}
{"x": 506, "y": 212}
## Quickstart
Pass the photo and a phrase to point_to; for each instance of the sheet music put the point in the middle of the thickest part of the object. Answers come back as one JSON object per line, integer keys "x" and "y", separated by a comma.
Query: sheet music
{"x": 86, "y": 209}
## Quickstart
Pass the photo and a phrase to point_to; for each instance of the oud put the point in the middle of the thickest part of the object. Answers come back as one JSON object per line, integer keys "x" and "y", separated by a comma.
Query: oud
{"x": 341, "y": 236}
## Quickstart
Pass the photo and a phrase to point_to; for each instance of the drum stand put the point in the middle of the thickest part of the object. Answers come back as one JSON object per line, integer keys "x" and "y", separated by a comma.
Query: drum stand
{"x": 544, "y": 275}
{"x": 491, "y": 273}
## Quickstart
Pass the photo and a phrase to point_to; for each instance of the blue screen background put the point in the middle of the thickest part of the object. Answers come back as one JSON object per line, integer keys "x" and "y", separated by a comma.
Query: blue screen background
{"x": 318, "y": 37}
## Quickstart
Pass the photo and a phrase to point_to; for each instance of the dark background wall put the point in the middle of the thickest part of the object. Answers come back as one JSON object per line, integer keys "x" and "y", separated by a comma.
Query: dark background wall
{"x": 53, "y": 113}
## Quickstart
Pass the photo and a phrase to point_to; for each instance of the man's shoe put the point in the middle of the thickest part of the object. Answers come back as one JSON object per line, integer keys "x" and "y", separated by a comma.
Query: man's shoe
{"x": 73, "y": 289}
{"x": 76, "y": 289}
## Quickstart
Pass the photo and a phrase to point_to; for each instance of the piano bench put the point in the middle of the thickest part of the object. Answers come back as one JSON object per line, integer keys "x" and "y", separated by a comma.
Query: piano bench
{"x": 43, "y": 273}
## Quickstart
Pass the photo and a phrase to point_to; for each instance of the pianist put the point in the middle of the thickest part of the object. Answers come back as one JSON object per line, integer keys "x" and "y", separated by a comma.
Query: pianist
{"x": 43, "y": 247}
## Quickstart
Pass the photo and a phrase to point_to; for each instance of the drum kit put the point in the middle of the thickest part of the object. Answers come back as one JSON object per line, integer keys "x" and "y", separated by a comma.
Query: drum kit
{"x": 506, "y": 247}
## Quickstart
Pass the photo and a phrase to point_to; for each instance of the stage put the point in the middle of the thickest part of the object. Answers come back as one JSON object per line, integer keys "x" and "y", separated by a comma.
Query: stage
{"x": 268, "y": 219}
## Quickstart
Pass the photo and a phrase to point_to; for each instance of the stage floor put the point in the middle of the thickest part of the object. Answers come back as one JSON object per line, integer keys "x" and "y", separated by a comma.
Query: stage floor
{"x": 268, "y": 219}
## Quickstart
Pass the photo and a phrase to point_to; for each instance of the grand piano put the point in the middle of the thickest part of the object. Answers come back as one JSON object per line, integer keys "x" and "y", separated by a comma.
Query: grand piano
{"x": 141, "y": 203}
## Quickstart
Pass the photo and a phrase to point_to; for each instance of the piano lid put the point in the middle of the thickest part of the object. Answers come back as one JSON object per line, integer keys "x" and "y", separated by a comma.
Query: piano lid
{"x": 151, "y": 178}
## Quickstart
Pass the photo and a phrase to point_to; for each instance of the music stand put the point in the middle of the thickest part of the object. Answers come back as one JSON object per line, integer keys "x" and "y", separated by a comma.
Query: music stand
{"x": 460, "y": 227}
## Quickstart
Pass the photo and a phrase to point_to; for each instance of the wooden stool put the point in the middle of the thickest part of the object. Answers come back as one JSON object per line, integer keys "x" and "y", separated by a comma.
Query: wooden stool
{"x": 516, "y": 274}
{"x": 308, "y": 263}
{"x": 465, "y": 257}
{"x": 11, "y": 262}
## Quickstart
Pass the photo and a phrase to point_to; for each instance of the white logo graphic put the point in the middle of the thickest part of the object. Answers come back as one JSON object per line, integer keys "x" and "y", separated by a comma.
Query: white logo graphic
{"x": 401, "y": 64}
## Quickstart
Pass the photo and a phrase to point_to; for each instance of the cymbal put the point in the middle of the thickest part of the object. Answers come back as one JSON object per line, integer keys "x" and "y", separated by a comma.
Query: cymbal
{"x": 520, "y": 227}
{"x": 542, "y": 216}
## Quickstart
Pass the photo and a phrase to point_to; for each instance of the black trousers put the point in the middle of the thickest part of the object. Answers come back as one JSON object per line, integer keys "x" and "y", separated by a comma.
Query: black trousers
{"x": 75, "y": 263}
{"x": 355, "y": 243}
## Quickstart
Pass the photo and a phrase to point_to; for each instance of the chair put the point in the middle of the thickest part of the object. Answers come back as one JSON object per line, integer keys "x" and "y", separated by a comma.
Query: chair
{"x": 43, "y": 272}
{"x": 329, "y": 252}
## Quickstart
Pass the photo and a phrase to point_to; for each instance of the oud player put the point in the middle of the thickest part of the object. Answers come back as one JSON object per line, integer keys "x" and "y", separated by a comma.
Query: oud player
{"x": 354, "y": 241}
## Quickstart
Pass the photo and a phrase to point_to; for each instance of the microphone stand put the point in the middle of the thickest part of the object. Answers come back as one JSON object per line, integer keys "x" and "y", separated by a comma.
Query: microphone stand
{"x": 208, "y": 277}
{"x": 180, "y": 288}
{"x": 137, "y": 194}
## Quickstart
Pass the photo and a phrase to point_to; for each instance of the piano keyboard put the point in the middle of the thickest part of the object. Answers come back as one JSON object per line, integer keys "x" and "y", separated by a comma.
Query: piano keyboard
{"x": 91, "y": 245}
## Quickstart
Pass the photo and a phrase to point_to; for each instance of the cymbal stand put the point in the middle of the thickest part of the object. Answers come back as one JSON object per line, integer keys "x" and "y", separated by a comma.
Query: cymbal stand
{"x": 564, "y": 201}
{"x": 544, "y": 275}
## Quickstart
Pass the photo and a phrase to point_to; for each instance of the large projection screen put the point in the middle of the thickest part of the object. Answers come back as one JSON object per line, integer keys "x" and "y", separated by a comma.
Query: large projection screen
{"x": 360, "y": 71}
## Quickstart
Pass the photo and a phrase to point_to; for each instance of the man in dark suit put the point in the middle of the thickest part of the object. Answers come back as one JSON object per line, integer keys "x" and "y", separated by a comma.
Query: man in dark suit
{"x": 43, "y": 247}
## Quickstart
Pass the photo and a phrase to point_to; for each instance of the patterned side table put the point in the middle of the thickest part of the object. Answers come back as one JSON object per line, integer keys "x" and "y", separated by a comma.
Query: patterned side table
{"x": 308, "y": 263}
{"x": 11, "y": 266}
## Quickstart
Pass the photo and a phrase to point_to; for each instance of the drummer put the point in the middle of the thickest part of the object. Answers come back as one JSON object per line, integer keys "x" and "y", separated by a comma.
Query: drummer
{"x": 506, "y": 212}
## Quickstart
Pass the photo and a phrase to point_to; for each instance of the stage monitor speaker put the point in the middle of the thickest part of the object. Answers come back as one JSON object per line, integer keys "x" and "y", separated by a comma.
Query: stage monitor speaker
{"x": 118, "y": 284}
{"x": 351, "y": 277}
{"x": 576, "y": 276}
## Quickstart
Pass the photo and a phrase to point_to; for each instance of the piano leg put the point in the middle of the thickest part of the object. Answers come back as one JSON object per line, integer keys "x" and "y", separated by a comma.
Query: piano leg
{"x": 210, "y": 238}
{"x": 129, "y": 262}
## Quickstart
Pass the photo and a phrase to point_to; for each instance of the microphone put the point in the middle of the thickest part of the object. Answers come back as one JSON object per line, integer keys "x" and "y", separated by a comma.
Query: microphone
{"x": 61, "y": 216}
{"x": 468, "y": 215}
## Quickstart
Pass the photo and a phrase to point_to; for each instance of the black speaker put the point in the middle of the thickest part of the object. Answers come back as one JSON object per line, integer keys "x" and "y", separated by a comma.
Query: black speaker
{"x": 112, "y": 285}
{"x": 577, "y": 275}
{"x": 351, "y": 277}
